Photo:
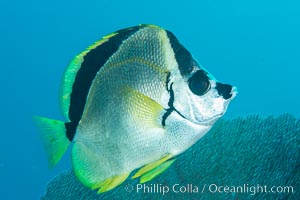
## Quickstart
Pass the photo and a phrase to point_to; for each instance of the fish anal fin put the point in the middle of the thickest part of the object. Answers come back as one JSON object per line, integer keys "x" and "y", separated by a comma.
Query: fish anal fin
{"x": 87, "y": 168}
{"x": 156, "y": 171}
{"x": 151, "y": 166}
{"x": 143, "y": 108}
{"x": 87, "y": 165}
{"x": 111, "y": 183}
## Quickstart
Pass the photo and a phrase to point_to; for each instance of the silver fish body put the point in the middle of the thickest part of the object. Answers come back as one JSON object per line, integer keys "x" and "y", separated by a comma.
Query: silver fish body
{"x": 147, "y": 103}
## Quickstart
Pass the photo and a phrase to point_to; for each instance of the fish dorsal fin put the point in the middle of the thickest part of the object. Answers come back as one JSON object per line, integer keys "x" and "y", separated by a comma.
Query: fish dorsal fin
{"x": 71, "y": 72}
{"x": 83, "y": 68}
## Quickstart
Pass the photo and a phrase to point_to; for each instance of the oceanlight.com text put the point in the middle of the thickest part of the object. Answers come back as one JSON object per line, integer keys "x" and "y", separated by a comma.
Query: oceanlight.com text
{"x": 207, "y": 188}
{"x": 252, "y": 190}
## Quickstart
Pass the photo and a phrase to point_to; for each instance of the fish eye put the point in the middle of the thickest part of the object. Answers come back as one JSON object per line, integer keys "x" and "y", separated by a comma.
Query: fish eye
{"x": 199, "y": 83}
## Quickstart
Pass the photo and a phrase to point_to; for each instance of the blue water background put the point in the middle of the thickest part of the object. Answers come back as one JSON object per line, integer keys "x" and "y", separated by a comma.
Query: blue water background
{"x": 254, "y": 45}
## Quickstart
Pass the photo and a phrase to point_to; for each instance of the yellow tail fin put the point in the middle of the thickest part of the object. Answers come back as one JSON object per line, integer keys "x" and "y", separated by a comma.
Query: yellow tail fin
{"x": 54, "y": 137}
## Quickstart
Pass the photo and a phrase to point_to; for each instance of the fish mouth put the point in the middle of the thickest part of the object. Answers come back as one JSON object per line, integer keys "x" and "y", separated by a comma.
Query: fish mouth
{"x": 233, "y": 93}
{"x": 212, "y": 120}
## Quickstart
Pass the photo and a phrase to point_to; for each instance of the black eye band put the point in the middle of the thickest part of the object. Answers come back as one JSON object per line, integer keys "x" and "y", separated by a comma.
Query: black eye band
{"x": 199, "y": 83}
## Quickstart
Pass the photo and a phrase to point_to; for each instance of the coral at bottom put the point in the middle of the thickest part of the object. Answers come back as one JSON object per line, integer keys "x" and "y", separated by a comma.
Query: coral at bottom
{"x": 244, "y": 158}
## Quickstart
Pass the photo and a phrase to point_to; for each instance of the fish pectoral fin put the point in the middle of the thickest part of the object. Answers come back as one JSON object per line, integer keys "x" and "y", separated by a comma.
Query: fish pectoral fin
{"x": 143, "y": 109}
{"x": 156, "y": 171}
{"x": 151, "y": 166}
{"x": 110, "y": 183}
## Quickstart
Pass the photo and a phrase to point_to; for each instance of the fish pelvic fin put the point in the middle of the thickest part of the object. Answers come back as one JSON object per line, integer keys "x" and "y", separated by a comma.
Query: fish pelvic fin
{"x": 53, "y": 134}
{"x": 111, "y": 183}
{"x": 153, "y": 168}
{"x": 156, "y": 171}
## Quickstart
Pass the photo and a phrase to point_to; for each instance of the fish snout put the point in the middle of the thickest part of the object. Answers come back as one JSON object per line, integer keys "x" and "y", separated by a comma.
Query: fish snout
{"x": 226, "y": 91}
